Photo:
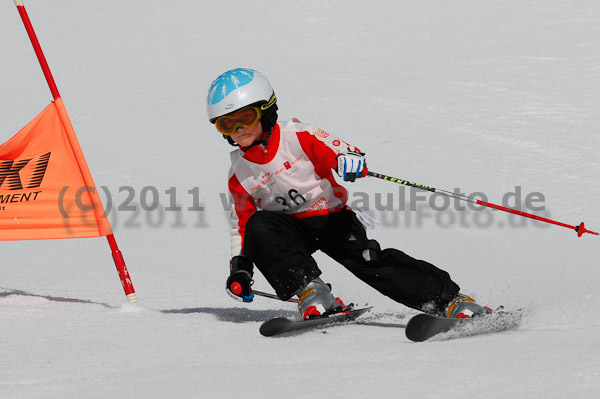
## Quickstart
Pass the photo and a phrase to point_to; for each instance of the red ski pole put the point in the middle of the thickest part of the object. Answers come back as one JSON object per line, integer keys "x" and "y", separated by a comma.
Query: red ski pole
{"x": 580, "y": 229}
{"x": 116, "y": 253}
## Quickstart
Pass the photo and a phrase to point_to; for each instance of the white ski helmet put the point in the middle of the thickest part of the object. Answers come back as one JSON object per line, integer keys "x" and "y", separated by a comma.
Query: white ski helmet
{"x": 236, "y": 89}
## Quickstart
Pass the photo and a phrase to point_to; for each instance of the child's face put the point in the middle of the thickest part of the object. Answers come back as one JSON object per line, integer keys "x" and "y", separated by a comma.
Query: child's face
{"x": 244, "y": 137}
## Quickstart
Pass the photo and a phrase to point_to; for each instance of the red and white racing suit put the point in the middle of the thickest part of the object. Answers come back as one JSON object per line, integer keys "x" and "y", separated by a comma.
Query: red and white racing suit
{"x": 287, "y": 205}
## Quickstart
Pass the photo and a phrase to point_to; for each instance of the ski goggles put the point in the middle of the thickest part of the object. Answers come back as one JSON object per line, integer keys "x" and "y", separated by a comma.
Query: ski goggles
{"x": 242, "y": 118}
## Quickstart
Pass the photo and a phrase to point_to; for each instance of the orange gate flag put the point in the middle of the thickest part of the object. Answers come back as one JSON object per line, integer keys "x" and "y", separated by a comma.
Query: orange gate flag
{"x": 46, "y": 189}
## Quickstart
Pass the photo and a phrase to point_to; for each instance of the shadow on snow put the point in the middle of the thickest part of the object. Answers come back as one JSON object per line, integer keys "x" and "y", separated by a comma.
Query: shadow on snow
{"x": 232, "y": 315}
{"x": 9, "y": 292}
{"x": 237, "y": 315}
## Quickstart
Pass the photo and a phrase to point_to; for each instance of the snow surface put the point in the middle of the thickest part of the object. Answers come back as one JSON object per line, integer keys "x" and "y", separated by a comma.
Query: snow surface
{"x": 481, "y": 96}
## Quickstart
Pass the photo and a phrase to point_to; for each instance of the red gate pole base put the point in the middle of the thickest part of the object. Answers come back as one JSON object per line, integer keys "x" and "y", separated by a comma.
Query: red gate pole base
{"x": 122, "y": 269}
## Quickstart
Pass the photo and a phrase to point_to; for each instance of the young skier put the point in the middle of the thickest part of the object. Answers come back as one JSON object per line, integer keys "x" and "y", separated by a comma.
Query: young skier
{"x": 287, "y": 205}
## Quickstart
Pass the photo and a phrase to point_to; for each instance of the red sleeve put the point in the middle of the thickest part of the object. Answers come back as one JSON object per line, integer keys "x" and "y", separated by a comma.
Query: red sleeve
{"x": 243, "y": 207}
{"x": 317, "y": 151}
{"x": 323, "y": 151}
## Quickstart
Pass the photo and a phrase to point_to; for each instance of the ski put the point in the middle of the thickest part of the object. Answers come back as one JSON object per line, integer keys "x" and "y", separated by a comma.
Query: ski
{"x": 282, "y": 325}
{"x": 424, "y": 326}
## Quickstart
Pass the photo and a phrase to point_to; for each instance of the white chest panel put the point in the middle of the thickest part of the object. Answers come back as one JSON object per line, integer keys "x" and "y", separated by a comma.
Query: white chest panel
{"x": 288, "y": 184}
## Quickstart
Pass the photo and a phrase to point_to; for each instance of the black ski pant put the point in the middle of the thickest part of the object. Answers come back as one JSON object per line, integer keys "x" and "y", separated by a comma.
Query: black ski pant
{"x": 281, "y": 247}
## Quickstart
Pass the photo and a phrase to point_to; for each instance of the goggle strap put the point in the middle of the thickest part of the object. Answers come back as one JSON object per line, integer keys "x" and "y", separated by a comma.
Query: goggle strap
{"x": 271, "y": 101}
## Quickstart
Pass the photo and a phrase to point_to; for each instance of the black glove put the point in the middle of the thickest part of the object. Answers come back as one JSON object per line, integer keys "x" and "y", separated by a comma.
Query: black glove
{"x": 240, "y": 279}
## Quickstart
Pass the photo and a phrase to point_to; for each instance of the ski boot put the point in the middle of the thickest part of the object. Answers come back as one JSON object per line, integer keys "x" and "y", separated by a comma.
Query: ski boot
{"x": 463, "y": 307}
{"x": 316, "y": 300}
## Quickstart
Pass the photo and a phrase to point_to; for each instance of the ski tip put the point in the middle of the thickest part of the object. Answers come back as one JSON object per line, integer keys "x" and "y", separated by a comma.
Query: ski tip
{"x": 274, "y": 326}
{"x": 418, "y": 327}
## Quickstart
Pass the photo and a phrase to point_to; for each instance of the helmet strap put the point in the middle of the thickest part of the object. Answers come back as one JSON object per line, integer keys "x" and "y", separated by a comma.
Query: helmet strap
{"x": 258, "y": 142}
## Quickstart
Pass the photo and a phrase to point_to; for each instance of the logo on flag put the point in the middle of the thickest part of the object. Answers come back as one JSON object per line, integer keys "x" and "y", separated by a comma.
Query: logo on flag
{"x": 23, "y": 173}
